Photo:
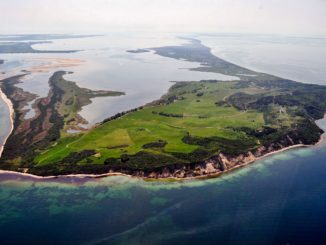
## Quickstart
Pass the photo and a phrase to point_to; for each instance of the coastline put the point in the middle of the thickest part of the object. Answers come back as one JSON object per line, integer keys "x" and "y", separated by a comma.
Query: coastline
{"x": 12, "y": 115}
{"x": 205, "y": 176}
{"x": 257, "y": 159}
{"x": 202, "y": 175}
{"x": 307, "y": 134}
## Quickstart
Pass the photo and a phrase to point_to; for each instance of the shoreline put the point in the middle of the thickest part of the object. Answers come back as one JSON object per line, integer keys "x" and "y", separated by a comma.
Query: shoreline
{"x": 9, "y": 103}
{"x": 206, "y": 176}
{"x": 11, "y": 114}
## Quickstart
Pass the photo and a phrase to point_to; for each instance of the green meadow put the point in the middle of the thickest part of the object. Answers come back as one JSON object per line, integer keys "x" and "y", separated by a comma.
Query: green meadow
{"x": 189, "y": 108}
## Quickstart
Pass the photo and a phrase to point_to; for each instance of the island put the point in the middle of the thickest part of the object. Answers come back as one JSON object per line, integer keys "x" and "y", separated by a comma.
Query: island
{"x": 198, "y": 128}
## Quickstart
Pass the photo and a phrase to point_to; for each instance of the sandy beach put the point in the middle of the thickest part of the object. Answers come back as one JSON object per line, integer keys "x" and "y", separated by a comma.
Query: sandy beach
{"x": 12, "y": 115}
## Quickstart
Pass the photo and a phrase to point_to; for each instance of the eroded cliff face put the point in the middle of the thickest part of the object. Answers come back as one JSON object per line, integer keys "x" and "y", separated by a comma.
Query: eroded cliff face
{"x": 218, "y": 164}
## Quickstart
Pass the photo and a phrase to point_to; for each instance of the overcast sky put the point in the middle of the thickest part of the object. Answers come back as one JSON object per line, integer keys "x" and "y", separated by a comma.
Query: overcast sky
{"x": 294, "y": 17}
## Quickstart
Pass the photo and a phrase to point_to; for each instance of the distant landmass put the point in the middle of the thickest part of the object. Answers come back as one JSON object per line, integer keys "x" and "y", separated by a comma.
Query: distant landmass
{"x": 23, "y": 43}
{"x": 136, "y": 51}
{"x": 33, "y": 37}
{"x": 26, "y": 47}
{"x": 198, "y": 128}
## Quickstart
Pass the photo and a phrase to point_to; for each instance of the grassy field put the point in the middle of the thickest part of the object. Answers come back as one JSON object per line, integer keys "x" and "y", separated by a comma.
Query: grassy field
{"x": 193, "y": 111}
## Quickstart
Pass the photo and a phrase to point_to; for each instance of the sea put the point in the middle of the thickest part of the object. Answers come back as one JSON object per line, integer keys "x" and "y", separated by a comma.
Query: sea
{"x": 280, "y": 199}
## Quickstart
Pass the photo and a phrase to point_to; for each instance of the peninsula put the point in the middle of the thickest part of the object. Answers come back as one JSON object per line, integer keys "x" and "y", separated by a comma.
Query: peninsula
{"x": 15, "y": 44}
{"x": 26, "y": 47}
{"x": 198, "y": 128}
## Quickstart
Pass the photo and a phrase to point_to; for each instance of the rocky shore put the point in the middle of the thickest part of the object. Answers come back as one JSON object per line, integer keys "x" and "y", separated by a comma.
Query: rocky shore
{"x": 214, "y": 166}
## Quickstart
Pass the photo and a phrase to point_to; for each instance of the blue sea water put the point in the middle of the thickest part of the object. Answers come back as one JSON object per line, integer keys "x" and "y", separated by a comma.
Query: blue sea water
{"x": 278, "y": 200}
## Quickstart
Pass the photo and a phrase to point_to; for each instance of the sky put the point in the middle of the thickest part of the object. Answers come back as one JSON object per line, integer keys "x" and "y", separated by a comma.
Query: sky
{"x": 291, "y": 17}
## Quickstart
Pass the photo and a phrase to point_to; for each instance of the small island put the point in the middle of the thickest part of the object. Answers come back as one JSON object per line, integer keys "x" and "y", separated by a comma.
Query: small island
{"x": 198, "y": 128}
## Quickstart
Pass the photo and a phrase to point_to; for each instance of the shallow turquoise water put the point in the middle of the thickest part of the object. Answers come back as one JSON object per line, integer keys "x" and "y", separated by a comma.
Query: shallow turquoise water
{"x": 278, "y": 200}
